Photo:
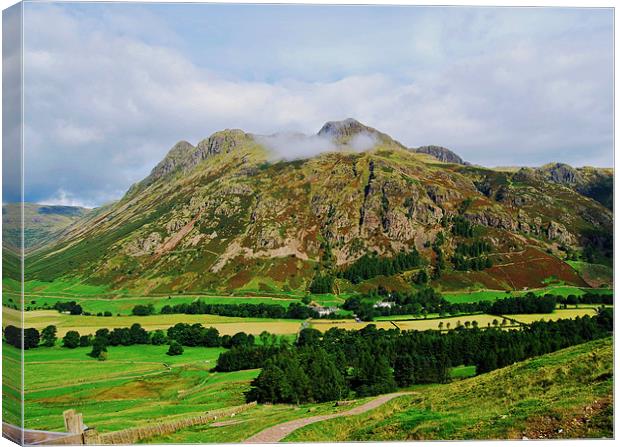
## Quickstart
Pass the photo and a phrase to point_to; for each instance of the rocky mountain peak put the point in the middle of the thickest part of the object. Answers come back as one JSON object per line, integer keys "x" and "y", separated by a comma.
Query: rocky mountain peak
{"x": 344, "y": 128}
{"x": 561, "y": 173}
{"x": 220, "y": 142}
{"x": 174, "y": 159}
{"x": 183, "y": 156}
{"x": 441, "y": 153}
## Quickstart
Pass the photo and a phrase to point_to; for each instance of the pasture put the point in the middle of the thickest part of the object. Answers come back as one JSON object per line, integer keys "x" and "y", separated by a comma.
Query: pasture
{"x": 137, "y": 384}
{"x": 95, "y": 299}
{"x": 140, "y": 384}
{"x": 89, "y": 324}
{"x": 558, "y": 314}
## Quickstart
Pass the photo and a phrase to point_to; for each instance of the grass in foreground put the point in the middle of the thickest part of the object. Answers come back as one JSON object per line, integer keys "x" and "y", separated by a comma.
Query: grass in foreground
{"x": 565, "y": 394}
{"x": 136, "y": 385}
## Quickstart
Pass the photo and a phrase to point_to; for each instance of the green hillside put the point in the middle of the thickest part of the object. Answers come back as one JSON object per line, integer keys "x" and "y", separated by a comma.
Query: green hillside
{"x": 566, "y": 394}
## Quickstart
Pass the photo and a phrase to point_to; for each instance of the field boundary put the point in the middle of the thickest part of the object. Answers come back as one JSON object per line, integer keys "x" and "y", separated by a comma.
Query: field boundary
{"x": 135, "y": 434}
{"x": 132, "y": 435}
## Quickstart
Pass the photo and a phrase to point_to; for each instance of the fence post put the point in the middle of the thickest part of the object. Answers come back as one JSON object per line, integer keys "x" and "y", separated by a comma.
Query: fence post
{"x": 73, "y": 421}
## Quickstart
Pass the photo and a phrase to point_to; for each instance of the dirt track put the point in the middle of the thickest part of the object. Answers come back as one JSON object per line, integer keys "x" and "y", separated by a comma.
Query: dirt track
{"x": 280, "y": 431}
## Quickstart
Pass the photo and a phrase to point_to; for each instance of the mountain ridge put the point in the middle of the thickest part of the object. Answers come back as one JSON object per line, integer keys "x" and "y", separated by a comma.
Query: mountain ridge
{"x": 228, "y": 217}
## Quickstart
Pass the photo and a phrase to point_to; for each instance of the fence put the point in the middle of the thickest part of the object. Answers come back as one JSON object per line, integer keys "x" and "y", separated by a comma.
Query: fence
{"x": 78, "y": 434}
{"x": 135, "y": 434}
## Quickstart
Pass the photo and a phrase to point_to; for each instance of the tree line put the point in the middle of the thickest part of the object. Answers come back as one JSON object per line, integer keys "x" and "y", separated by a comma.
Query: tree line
{"x": 428, "y": 301}
{"x": 371, "y": 265}
{"x": 177, "y": 336}
{"x": 340, "y": 363}
{"x": 294, "y": 311}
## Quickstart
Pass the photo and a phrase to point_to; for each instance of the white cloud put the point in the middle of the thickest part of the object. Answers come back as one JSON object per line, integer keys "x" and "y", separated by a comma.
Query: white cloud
{"x": 62, "y": 197}
{"x": 103, "y": 104}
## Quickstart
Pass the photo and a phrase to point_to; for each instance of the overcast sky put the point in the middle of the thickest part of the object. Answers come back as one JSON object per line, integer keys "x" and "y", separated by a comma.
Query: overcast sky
{"x": 109, "y": 88}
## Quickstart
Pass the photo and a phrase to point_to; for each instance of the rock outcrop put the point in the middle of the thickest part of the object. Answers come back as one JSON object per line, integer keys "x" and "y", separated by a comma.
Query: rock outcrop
{"x": 441, "y": 154}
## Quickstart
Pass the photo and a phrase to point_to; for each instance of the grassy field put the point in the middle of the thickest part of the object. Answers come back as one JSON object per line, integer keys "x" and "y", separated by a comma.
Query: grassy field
{"x": 420, "y": 325}
{"x": 135, "y": 385}
{"x": 535, "y": 398}
{"x": 492, "y": 295}
{"x": 89, "y": 324}
{"x": 95, "y": 299}
{"x": 556, "y": 315}
{"x": 483, "y": 320}
{"x": 141, "y": 384}
{"x": 472, "y": 297}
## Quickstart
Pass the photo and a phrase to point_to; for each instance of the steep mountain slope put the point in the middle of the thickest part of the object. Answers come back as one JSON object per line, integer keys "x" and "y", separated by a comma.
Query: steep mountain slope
{"x": 566, "y": 394}
{"x": 42, "y": 223}
{"x": 223, "y": 216}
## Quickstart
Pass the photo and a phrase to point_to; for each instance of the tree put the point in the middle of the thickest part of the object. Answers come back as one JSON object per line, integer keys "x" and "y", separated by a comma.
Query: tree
{"x": 85, "y": 340}
{"x": 328, "y": 382}
{"x": 308, "y": 336}
{"x": 322, "y": 283}
{"x": 211, "y": 337}
{"x": 282, "y": 380}
{"x": 404, "y": 369}
{"x": 138, "y": 335}
{"x": 242, "y": 339}
{"x": 175, "y": 348}
{"x": 143, "y": 310}
{"x": 421, "y": 278}
{"x": 99, "y": 347}
{"x": 31, "y": 338}
{"x": 71, "y": 340}
{"x": 13, "y": 336}
{"x": 373, "y": 375}
{"x": 48, "y": 335}
{"x": 158, "y": 337}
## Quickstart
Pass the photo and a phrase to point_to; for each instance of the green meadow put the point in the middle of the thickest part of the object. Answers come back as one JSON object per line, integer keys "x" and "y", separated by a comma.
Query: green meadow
{"x": 135, "y": 385}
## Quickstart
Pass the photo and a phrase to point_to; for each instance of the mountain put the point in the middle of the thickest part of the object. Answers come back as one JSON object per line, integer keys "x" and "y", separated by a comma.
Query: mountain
{"x": 224, "y": 216}
{"x": 441, "y": 154}
{"x": 42, "y": 223}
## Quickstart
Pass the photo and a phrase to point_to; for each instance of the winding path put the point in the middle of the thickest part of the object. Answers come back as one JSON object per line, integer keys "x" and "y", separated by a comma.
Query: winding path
{"x": 280, "y": 431}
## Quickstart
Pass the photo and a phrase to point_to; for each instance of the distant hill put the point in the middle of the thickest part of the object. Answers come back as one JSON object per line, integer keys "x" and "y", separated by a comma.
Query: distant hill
{"x": 563, "y": 395}
{"x": 42, "y": 223}
{"x": 228, "y": 215}
{"x": 441, "y": 154}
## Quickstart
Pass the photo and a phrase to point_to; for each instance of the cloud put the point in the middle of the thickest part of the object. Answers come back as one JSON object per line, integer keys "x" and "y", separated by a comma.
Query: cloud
{"x": 291, "y": 146}
{"x": 363, "y": 141}
{"x": 62, "y": 197}
{"x": 104, "y": 103}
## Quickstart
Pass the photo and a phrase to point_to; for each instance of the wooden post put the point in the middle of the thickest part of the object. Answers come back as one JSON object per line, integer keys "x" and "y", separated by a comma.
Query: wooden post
{"x": 73, "y": 421}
